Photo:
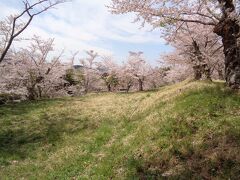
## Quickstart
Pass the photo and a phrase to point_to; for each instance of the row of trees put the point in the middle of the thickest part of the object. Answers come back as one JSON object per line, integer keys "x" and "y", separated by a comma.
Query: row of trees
{"x": 204, "y": 33}
{"x": 35, "y": 73}
{"x": 102, "y": 73}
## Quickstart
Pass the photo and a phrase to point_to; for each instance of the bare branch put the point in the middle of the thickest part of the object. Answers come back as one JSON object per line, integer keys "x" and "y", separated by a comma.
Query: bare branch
{"x": 17, "y": 30}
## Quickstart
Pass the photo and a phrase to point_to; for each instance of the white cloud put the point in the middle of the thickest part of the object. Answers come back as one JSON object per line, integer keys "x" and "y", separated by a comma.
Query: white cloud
{"x": 6, "y": 10}
{"x": 86, "y": 24}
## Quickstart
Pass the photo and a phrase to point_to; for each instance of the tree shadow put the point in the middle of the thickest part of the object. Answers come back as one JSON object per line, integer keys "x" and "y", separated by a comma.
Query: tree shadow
{"x": 28, "y": 106}
{"x": 22, "y": 135}
{"x": 23, "y": 142}
{"x": 216, "y": 158}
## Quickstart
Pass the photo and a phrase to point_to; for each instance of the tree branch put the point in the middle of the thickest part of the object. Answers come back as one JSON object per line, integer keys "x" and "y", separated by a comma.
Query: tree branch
{"x": 27, "y": 9}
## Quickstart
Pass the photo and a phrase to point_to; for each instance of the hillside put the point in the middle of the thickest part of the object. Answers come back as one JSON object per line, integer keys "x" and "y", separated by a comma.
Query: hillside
{"x": 191, "y": 129}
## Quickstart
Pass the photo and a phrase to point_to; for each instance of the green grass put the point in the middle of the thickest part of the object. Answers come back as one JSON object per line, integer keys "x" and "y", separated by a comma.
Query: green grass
{"x": 188, "y": 130}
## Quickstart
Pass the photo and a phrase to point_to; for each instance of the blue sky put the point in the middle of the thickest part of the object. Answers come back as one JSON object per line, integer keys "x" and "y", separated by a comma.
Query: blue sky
{"x": 87, "y": 24}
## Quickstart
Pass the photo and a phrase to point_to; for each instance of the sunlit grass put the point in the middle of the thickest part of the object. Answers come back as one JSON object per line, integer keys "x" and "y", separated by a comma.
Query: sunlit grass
{"x": 191, "y": 129}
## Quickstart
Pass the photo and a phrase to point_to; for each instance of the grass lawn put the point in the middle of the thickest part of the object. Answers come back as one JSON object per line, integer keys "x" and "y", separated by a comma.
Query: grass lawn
{"x": 188, "y": 130}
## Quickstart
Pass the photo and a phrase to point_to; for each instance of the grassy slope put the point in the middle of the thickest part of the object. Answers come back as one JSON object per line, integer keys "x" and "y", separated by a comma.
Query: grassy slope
{"x": 181, "y": 131}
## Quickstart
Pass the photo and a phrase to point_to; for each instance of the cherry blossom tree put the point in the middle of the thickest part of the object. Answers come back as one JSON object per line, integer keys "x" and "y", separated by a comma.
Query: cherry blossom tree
{"x": 157, "y": 77}
{"x": 201, "y": 48}
{"x": 14, "y": 25}
{"x": 138, "y": 68}
{"x": 125, "y": 78}
{"x": 75, "y": 79}
{"x": 90, "y": 74}
{"x": 180, "y": 68}
{"x": 222, "y": 15}
{"x": 34, "y": 72}
{"x": 134, "y": 72}
{"x": 109, "y": 71}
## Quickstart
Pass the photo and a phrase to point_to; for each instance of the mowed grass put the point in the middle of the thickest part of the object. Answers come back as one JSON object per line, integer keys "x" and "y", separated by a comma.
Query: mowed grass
{"x": 188, "y": 130}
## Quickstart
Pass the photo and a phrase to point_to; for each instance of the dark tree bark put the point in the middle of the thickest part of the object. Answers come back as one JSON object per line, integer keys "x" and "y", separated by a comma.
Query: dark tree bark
{"x": 197, "y": 56}
{"x": 197, "y": 72}
{"x": 140, "y": 85}
{"x": 109, "y": 87}
{"x": 207, "y": 72}
{"x": 128, "y": 87}
{"x": 32, "y": 94}
{"x": 39, "y": 92}
{"x": 228, "y": 29}
{"x": 201, "y": 68}
{"x": 220, "y": 74}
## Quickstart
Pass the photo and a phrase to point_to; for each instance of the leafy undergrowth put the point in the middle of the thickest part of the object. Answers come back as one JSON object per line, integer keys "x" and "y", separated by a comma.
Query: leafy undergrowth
{"x": 189, "y": 130}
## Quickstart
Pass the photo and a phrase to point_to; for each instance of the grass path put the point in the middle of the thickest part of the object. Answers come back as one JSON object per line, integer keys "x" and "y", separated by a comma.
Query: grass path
{"x": 183, "y": 131}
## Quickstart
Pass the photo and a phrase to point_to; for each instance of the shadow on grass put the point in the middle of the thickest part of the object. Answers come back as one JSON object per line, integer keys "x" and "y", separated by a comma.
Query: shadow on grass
{"x": 202, "y": 142}
{"x": 215, "y": 158}
{"x": 24, "y": 133}
{"x": 28, "y": 106}
{"x": 20, "y": 143}
{"x": 24, "y": 142}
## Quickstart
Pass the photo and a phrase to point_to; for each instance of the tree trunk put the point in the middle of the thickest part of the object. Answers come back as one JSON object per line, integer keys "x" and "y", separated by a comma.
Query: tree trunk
{"x": 39, "y": 92}
{"x": 228, "y": 29}
{"x": 197, "y": 72}
{"x": 220, "y": 74}
{"x": 32, "y": 93}
{"x": 197, "y": 59}
{"x": 207, "y": 72}
{"x": 109, "y": 87}
{"x": 86, "y": 85}
{"x": 140, "y": 85}
{"x": 128, "y": 87}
